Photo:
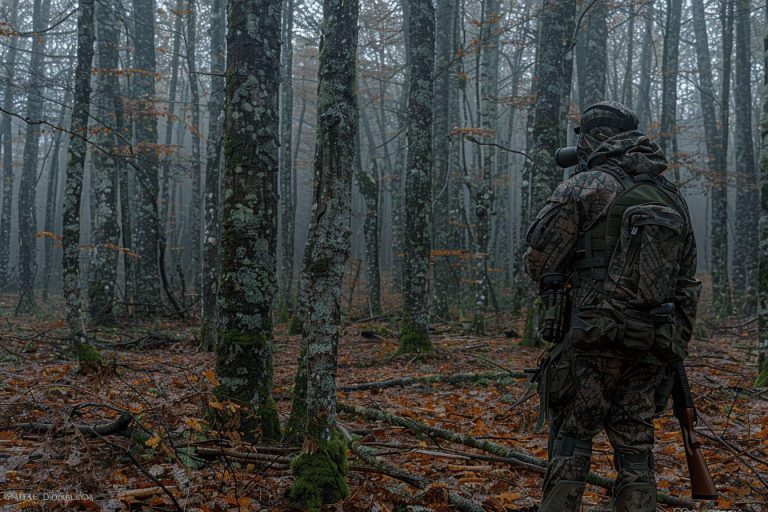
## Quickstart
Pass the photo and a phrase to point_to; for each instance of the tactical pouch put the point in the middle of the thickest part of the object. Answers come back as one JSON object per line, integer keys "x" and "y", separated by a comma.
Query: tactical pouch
{"x": 669, "y": 345}
{"x": 639, "y": 333}
{"x": 597, "y": 328}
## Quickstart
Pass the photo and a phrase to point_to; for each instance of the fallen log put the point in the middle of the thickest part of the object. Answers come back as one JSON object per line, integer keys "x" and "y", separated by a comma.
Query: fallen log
{"x": 516, "y": 456}
{"x": 431, "y": 379}
{"x": 370, "y": 457}
{"x": 106, "y": 429}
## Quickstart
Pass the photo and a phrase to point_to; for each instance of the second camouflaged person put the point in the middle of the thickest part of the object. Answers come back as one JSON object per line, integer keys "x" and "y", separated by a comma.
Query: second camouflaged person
{"x": 618, "y": 238}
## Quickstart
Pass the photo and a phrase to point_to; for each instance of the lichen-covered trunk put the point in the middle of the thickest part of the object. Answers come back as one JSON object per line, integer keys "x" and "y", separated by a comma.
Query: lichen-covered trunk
{"x": 670, "y": 65}
{"x": 553, "y": 68}
{"x": 7, "y": 134}
{"x": 368, "y": 183}
{"x": 211, "y": 239}
{"x": 249, "y": 213}
{"x": 27, "y": 197}
{"x": 627, "y": 88}
{"x": 762, "y": 334}
{"x": 106, "y": 231}
{"x": 74, "y": 183}
{"x": 718, "y": 185}
{"x": 483, "y": 189}
{"x": 592, "y": 53}
{"x": 146, "y": 228}
{"x": 747, "y": 201}
{"x": 320, "y": 470}
{"x": 287, "y": 212}
{"x": 420, "y": 59}
{"x": 443, "y": 289}
{"x": 195, "y": 210}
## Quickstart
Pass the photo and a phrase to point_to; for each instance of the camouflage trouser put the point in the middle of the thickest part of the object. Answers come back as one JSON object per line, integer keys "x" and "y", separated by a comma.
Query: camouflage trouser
{"x": 585, "y": 393}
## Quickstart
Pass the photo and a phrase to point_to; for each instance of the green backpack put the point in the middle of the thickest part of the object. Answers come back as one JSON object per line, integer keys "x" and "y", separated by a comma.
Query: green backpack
{"x": 630, "y": 258}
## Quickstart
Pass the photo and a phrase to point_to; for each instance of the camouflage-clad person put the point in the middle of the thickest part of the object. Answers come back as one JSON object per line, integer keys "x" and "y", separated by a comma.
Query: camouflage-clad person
{"x": 622, "y": 235}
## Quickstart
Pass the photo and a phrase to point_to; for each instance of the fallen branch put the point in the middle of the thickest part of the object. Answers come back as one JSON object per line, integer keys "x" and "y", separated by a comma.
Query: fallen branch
{"x": 106, "y": 429}
{"x": 251, "y": 457}
{"x": 429, "y": 379}
{"x": 369, "y": 456}
{"x": 516, "y": 457}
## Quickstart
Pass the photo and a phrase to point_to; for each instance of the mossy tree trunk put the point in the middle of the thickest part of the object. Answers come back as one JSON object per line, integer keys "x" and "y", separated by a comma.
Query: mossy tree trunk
{"x": 420, "y": 58}
{"x": 106, "y": 232}
{"x": 592, "y": 53}
{"x": 27, "y": 196}
{"x": 195, "y": 211}
{"x": 320, "y": 470}
{"x": 249, "y": 213}
{"x": 210, "y": 313}
{"x": 146, "y": 228}
{"x": 74, "y": 185}
{"x": 287, "y": 211}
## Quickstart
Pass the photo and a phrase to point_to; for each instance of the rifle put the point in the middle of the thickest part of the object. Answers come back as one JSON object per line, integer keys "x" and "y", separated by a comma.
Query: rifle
{"x": 702, "y": 486}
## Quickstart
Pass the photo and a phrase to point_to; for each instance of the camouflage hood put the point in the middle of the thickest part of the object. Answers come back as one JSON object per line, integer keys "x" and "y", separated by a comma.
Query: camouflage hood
{"x": 632, "y": 151}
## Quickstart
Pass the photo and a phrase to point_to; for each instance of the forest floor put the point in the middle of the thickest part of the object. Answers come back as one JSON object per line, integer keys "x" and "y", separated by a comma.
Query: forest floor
{"x": 158, "y": 375}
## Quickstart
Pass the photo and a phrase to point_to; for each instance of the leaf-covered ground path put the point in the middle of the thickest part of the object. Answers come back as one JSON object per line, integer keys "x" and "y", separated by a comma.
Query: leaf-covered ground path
{"x": 159, "y": 376}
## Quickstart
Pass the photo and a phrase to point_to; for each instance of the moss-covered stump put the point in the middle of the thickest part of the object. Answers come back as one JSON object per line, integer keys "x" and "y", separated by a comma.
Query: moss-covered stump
{"x": 530, "y": 336}
{"x": 88, "y": 356}
{"x": 413, "y": 341}
{"x": 320, "y": 474}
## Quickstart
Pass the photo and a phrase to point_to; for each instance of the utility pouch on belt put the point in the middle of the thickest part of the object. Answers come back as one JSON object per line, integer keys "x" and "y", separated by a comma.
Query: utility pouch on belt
{"x": 554, "y": 308}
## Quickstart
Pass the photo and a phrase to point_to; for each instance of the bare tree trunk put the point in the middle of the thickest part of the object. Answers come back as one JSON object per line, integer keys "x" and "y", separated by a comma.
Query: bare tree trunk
{"x": 7, "y": 135}
{"x": 747, "y": 201}
{"x": 106, "y": 231}
{"x": 287, "y": 212}
{"x": 195, "y": 210}
{"x": 368, "y": 183}
{"x": 716, "y": 162}
{"x": 27, "y": 196}
{"x": 211, "y": 240}
{"x": 414, "y": 329}
{"x": 320, "y": 470}
{"x": 627, "y": 87}
{"x": 147, "y": 225}
{"x": 592, "y": 53}
{"x": 669, "y": 70}
{"x": 646, "y": 57}
{"x": 74, "y": 186}
{"x": 762, "y": 335}
{"x": 249, "y": 216}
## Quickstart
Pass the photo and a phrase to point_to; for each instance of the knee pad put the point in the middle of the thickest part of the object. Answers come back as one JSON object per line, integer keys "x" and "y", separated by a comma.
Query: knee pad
{"x": 640, "y": 465}
{"x": 568, "y": 446}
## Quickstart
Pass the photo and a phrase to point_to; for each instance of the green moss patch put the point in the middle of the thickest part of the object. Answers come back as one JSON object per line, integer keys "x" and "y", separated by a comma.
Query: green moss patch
{"x": 320, "y": 477}
{"x": 413, "y": 341}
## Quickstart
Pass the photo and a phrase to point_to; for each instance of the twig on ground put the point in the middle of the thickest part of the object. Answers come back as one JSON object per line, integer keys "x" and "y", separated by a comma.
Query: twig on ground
{"x": 429, "y": 379}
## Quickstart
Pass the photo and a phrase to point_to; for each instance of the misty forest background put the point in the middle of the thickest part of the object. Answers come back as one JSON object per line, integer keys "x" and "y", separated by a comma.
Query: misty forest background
{"x": 199, "y": 195}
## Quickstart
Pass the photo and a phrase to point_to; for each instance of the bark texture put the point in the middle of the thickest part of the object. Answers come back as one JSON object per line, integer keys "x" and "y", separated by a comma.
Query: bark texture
{"x": 146, "y": 228}
{"x": 27, "y": 197}
{"x": 592, "y": 53}
{"x": 211, "y": 264}
{"x": 106, "y": 232}
{"x": 669, "y": 69}
{"x": 420, "y": 58}
{"x": 762, "y": 335}
{"x": 320, "y": 471}
{"x": 747, "y": 200}
{"x": 74, "y": 185}
{"x": 249, "y": 213}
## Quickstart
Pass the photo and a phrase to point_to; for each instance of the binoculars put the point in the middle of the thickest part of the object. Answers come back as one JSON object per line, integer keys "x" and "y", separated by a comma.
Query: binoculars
{"x": 566, "y": 157}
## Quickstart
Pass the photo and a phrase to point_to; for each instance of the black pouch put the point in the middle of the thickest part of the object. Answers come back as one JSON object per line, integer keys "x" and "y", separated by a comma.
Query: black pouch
{"x": 669, "y": 345}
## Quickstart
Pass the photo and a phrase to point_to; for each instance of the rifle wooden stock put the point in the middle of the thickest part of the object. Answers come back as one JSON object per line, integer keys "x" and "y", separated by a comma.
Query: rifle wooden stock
{"x": 702, "y": 486}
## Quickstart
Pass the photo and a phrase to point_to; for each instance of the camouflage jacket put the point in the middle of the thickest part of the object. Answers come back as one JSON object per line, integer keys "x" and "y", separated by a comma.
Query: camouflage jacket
{"x": 579, "y": 201}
